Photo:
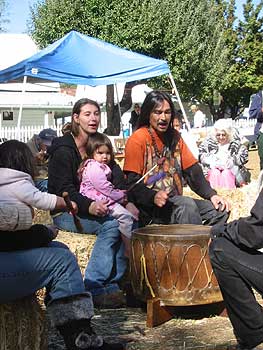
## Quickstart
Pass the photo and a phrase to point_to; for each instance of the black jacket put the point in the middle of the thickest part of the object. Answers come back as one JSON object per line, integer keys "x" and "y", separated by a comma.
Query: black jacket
{"x": 244, "y": 232}
{"x": 64, "y": 163}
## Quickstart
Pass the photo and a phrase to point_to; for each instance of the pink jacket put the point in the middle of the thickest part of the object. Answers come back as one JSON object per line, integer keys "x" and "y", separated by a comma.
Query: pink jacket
{"x": 95, "y": 183}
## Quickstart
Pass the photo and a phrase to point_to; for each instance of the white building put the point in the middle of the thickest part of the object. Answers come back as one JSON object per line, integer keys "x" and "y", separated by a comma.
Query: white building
{"x": 41, "y": 102}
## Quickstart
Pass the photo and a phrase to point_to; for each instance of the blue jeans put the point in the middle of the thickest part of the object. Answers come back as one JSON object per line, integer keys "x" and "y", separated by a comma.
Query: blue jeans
{"x": 41, "y": 184}
{"x": 237, "y": 271}
{"x": 107, "y": 263}
{"x": 24, "y": 272}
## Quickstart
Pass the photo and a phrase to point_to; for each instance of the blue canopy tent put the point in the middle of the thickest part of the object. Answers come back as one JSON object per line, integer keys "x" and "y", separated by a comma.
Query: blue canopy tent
{"x": 79, "y": 59}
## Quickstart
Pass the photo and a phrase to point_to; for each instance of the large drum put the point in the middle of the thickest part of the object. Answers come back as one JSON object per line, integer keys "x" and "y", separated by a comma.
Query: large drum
{"x": 171, "y": 262}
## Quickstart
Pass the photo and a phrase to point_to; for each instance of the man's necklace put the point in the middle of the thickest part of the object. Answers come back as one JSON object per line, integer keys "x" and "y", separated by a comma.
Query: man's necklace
{"x": 157, "y": 152}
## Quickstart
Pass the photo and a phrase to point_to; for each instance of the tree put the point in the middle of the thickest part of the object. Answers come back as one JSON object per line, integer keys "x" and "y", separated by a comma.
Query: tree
{"x": 245, "y": 75}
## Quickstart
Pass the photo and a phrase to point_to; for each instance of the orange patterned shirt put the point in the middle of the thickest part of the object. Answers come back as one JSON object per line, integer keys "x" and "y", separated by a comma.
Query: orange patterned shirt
{"x": 140, "y": 157}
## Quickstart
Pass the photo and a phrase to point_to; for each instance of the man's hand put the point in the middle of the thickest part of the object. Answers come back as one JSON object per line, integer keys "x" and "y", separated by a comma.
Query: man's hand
{"x": 160, "y": 198}
{"x": 99, "y": 208}
{"x": 220, "y": 203}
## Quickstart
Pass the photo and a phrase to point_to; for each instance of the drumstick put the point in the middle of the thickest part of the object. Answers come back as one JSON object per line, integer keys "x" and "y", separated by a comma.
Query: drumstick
{"x": 159, "y": 162}
{"x": 70, "y": 208}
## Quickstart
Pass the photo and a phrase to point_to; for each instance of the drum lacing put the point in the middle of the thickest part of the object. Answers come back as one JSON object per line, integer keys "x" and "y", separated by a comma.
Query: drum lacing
{"x": 145, "y": 276}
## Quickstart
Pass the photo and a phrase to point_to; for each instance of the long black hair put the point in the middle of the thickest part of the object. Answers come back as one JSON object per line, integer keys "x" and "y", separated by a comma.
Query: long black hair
{"x": 152, "y": 100}
{"x": 16, "y": 155}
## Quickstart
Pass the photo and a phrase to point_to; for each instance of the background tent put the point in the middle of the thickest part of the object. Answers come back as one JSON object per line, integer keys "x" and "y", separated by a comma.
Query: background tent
{"x": 79, "y": 59}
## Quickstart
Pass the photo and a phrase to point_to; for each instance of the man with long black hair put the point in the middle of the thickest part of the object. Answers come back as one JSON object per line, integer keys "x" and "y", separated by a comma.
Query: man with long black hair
{"x": 156, "y": 145}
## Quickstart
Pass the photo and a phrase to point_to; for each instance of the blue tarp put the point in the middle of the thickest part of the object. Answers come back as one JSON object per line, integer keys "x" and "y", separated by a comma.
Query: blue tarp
{"x": 79, "y": 59}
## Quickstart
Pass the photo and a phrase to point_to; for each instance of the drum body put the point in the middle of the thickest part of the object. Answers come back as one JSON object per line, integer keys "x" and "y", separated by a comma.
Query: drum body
{"x": 171, "y": 262}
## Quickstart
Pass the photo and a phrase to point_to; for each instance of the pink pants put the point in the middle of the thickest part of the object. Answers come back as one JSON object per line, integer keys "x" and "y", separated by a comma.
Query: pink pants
{"x": 221, "y": 178}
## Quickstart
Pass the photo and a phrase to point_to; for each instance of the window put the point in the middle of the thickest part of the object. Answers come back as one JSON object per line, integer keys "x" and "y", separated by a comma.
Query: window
{"x": 8, "y": 115}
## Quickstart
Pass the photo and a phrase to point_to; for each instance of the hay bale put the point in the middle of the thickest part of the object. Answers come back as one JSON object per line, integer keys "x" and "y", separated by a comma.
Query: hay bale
{"x": 237, "y": 198}
{"x": 42, "y": 217}
{"x": 80, "y": 244}
{"x": 23, "y": 325}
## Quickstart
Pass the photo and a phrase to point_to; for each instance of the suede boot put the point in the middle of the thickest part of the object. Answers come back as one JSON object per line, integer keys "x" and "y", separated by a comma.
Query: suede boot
{"x": 78, "y": 335}
{"x": 71, "y": 316}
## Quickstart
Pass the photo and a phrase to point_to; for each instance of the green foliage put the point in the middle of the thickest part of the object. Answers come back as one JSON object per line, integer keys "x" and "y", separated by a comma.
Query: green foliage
{"x": 195, "y": 47}
{"x": 245, "y": 75}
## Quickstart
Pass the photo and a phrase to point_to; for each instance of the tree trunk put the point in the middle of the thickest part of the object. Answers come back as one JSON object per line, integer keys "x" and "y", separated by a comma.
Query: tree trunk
{"x": 113, "y": 114}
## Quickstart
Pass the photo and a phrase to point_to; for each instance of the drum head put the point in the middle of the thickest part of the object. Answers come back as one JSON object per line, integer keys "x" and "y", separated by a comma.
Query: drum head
{"x": 174, "y": 232}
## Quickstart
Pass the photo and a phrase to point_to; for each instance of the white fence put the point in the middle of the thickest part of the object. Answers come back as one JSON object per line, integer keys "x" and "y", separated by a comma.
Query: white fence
{"x": 24, "y": 133}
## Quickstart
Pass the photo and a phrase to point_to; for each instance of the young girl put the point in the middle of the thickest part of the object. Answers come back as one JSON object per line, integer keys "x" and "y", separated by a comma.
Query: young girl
{"x": 17, "y": 189}
{"x": 96, "y": 183}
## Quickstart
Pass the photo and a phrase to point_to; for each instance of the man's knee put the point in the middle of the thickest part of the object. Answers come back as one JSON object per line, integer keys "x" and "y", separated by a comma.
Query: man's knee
{"x": 186, "y": 202}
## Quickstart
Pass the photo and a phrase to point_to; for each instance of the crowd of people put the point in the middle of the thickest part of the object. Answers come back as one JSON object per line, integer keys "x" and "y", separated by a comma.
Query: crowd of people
{"x": 111, "y": 202}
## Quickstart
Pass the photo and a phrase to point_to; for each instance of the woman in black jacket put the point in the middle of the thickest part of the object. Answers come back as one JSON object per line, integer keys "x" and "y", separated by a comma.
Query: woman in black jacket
{"x": 107, "y": 263}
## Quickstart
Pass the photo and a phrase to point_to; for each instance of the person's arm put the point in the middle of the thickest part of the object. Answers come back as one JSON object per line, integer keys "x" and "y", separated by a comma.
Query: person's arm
{"x": 255, "y": 110}
{"x": 239, "y": 153}
{"x": 140, "y": 193}
{"x": 26, "y": 192}
{"x": 62, "y": 174}
{"x": 118, "y": 179}
{"x": 246, "y": 231}
{"x": 196, "y": 180}
{"x": 207, "y": 152}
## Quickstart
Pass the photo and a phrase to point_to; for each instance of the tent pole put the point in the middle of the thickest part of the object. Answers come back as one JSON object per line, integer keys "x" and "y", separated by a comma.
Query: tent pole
{"x": 119, "y": 109}
{"x": 179, "y": 101}
{"x": 21, "y": 107}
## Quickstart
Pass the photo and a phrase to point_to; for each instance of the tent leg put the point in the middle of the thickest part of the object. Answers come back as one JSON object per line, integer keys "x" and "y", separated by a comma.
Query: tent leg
{"x": 179, "y": 101}
{"x": 21, "y": 107}
{"x": 119, "y": 109}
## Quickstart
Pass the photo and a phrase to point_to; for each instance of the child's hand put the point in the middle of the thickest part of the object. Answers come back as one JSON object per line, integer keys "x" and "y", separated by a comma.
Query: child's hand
{"x": 124, "y": 200}
{"x": 75, "y": 207}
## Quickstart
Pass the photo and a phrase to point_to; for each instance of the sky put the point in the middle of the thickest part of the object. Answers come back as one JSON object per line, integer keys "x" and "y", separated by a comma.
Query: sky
{"x": 18, "y": 13}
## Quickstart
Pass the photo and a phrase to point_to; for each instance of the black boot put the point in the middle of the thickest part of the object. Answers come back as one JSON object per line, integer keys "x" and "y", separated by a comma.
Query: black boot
{"x": 79, "y": 335}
